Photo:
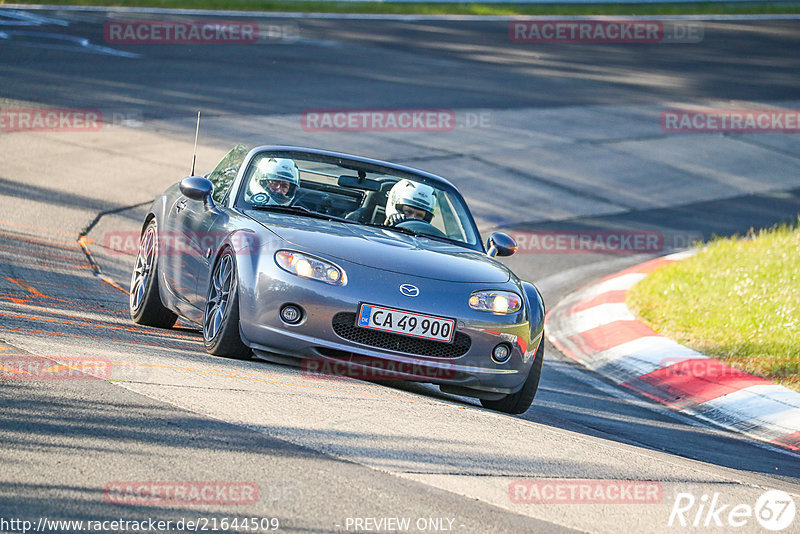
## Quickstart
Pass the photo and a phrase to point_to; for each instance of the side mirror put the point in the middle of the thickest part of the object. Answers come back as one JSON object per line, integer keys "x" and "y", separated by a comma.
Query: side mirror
{"x": 500, "y": 244}
{"x": 198, "y": 188}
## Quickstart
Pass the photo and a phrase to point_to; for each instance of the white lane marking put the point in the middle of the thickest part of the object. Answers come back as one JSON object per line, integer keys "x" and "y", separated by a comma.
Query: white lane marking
{"x": 599, "y": 315}
{"x": 646, "y": 354}
{"x": 769, "y": 408}
{"x": 622, "y": 282}
{"x": 56, "y": 41}
{"x": 405, "y": 18}
{"x": 13, "y": 17}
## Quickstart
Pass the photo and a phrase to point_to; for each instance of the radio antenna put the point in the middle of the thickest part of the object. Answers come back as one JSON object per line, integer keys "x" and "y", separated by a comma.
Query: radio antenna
{"x": 196, "y": 133}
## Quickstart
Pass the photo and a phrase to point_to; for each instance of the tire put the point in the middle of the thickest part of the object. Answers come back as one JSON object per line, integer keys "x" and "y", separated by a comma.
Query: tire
{"x": 145, "y": 301}
{"x": 519, "y": 402}
{"x": 221, "y": 313}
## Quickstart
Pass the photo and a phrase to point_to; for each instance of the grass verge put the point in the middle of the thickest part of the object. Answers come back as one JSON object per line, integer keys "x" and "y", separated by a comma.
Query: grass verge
{"x": 465, "y": 8}
{"x": 737, "y": 300}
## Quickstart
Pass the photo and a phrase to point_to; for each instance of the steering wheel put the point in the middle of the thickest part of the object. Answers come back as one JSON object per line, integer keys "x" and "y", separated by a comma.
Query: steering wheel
{"x": 421, "y": 227}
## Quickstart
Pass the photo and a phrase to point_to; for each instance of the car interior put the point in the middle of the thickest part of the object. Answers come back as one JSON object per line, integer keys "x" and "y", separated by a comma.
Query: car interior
{"x": 353, "y": 195}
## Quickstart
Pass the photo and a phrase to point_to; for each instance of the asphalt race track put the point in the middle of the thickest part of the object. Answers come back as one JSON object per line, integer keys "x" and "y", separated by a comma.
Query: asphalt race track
{"x": 548, "y": 138}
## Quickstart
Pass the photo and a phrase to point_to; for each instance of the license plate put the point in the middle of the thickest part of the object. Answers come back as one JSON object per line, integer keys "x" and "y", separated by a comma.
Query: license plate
{"x": 406, "y": 323}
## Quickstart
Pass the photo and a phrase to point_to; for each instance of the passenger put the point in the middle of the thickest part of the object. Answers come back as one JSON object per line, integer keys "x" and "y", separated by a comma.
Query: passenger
{"x": 409, "y": 200}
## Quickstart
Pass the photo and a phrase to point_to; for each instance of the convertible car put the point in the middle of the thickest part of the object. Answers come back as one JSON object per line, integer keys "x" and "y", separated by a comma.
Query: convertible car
{"x": 334, "y": 261}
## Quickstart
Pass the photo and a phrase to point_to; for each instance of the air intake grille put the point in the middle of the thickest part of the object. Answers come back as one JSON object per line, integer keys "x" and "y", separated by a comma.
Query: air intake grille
{"x": 344, "y": 326}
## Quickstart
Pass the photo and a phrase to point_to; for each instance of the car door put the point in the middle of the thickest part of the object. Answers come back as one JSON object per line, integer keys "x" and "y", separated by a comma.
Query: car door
{"x": 180, "y": 249}
{"x": 190, "y": 241}
{"x": 206, "y": 229}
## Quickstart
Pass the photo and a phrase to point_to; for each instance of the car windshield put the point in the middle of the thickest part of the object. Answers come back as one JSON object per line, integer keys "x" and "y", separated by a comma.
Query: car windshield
{"x": 358, "y": 194}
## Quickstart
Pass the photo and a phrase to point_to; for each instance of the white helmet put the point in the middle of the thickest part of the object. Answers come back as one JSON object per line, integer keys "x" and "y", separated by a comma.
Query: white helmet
{"x": 275, "y": 181}
{"x": 416, "y": 195}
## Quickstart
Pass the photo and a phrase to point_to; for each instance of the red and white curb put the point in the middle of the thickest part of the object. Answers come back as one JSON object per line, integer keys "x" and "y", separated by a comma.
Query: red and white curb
{"x": 595, "y": 327}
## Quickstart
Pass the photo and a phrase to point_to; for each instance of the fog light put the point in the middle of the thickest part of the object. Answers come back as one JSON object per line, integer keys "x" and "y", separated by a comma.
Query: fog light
{"x": 291, "y": 314}
{"x": 501, "y": 353}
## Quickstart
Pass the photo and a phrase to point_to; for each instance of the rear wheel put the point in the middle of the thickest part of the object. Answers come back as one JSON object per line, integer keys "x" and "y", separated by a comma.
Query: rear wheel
{"x": 221, "y": 315}
{"x": 145, "y": 302}
{"x": 519, "y": 402}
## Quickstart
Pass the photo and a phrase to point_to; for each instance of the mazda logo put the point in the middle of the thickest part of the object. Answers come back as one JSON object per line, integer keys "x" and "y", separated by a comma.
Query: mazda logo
{"x": 409, "y": 290}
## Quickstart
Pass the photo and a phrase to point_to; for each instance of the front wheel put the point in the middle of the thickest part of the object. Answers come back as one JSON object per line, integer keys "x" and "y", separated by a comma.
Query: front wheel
{"x": 519, "y": 402}
{"x": 145, "y": 302}
{"x": 221, "y": 315}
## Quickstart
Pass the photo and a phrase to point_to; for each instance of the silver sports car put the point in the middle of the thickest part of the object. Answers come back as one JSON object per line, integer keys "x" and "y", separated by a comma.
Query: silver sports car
{"x": 342, "y": 264}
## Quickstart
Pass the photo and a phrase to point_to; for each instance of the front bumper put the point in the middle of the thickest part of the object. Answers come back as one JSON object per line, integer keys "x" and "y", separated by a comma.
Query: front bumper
{"x": 320, "y": 340}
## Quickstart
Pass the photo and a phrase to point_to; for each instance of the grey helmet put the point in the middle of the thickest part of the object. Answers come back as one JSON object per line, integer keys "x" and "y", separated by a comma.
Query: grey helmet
{"x": 270, "y": 181}
{"x": 416, "y": 195}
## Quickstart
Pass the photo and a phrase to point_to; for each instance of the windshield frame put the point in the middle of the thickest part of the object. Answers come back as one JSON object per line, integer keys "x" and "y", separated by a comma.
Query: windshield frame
{"x": 354, "y": 163}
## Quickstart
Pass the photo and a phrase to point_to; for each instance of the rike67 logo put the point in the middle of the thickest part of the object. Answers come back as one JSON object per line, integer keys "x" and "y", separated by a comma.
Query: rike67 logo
{"x": 774, "y": 510}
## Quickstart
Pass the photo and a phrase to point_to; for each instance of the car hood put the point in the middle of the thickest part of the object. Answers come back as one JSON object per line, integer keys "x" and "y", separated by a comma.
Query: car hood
{"x": 384, "y": 249}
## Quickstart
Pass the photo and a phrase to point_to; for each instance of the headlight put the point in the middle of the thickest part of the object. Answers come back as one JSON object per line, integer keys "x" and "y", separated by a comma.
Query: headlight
{"x": 306, "y": 266}
{"x": 495, "y": 301}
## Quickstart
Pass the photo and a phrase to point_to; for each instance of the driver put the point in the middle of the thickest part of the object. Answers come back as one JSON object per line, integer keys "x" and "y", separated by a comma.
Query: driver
{"x": 274, "y": 182}
{"x": 409, "y": 200}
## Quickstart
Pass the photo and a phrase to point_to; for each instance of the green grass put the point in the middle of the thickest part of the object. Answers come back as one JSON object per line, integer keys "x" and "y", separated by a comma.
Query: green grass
{"x": 465, "y": 8}
{"x": 737, "y": 300}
